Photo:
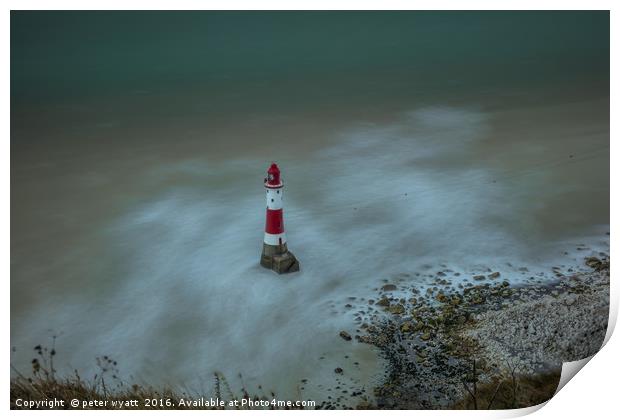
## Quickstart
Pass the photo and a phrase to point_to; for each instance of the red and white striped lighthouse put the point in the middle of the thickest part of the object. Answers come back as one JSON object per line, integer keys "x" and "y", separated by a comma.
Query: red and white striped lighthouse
{"x": 276, "y": 255}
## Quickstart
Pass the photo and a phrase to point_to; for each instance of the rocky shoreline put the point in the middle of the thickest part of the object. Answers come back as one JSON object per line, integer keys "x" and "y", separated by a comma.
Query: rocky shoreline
{"x": 444, "y": 342}
{"x": 482, "y": 343}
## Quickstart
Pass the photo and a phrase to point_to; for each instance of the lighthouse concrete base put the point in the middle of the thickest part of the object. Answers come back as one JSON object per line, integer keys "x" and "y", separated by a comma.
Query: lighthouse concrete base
{"x": 279, "y": 259}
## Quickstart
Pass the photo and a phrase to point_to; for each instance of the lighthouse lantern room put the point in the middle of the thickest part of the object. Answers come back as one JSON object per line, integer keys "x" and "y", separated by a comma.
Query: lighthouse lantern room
{"x": 276, "y": 255}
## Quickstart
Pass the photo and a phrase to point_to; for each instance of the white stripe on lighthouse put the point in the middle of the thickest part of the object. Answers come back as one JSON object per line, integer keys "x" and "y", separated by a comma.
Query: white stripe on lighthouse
{"x": 274, "y": 198}
{"x": 274, "y": 239}
{"x": 274, "y": 202}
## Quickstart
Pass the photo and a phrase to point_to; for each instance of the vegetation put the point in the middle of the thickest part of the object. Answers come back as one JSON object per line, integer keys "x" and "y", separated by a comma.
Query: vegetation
{"x": 108, "y": 388}
{"x": 506, "y": 389}
{"x": 509, "y": 391}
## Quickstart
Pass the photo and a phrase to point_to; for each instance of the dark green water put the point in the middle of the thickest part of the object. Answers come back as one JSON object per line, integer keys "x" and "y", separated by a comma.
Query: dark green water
{"x": 61, "y": 55}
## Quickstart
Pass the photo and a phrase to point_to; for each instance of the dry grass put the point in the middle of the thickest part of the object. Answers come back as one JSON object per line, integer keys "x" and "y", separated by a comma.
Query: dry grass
{"x": 108, "y": 388}
{"x": 507, "y": 392}
{"x": 75, "y": 388}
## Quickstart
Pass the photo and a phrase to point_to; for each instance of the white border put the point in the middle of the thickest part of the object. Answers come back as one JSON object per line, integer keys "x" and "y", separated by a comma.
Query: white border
{"x": 595, "y": 392}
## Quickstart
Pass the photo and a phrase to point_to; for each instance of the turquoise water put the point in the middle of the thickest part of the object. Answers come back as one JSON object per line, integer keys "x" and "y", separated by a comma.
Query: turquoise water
{"x": 80, "y": 54}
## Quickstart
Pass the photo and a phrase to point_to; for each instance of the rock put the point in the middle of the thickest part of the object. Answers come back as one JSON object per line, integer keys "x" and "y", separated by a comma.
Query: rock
{"x": 388, "y": 287}
{"x": 396, "y": 309}
{"x": 505, "y": 284}
{"x": 441, "y": 297}
{"x": 345, "y": 335}
{"x": 279, "y": 260}
{"x": 593, "y": 262}
{"x": 479, "y": 277}
{"x": 406, "y": 327}
{"x": 338, "y": 370}
{"x": 597, "y": 264}
{"x": 384, "y": 301}
{"x": 364, "y": 339}
{"x": 494, "y": 275}
{"x": 426, "y": 336}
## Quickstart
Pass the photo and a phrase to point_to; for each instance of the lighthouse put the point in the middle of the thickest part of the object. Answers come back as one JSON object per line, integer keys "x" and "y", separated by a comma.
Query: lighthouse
{"x": 276, "y": 255}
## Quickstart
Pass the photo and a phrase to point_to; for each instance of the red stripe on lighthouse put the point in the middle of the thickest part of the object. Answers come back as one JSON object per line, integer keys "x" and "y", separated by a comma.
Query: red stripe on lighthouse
{"x": 275, "y": 221}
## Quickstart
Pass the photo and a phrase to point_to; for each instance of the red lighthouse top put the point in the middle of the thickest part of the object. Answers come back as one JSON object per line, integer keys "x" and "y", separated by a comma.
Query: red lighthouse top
{"x": 273, "y": 177}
